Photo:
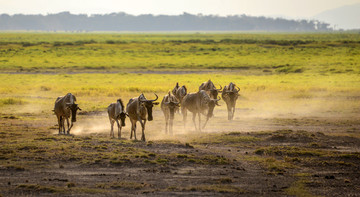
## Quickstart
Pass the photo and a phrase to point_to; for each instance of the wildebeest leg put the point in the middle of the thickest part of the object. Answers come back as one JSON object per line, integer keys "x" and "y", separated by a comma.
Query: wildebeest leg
{"x": 119, "y": 129}
{"x": 171, "y": 126}
{"x": 184, "y": 113}
{"x": 199, "y": 121}
{"x": 63, "y": 124}
{"x": 133, "y": 129}
{"x": 59, "y": 123}
{"x": 229, "y": 109}
{"x": 112, "y": 128}
{"x": 69, "y": 125}
{"x": 193, "y": 119}
{"x": 233, "y": 112}
{"x": 143, "y": 130}
{"x": 207, "y": 118}
{"x": 119, "y": 132}
{"x": 166, "y": 124}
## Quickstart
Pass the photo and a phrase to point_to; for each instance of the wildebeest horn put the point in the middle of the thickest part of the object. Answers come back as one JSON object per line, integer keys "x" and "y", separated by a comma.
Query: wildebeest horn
{"x": 238, "y": 89}
{"x": 219, "y": 88}
{"x": 216, "y": 101}
{"x": 79, "y": 108}
{"x": 154, "y": 99}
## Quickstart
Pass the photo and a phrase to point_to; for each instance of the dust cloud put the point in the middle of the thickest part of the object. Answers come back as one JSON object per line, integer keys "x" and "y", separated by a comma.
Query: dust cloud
{"x": 95, "y": 124}
{"x": 258, "y": 114}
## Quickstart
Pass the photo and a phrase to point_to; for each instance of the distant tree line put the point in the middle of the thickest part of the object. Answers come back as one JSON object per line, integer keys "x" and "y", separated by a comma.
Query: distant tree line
{"x": 65, "y": 21}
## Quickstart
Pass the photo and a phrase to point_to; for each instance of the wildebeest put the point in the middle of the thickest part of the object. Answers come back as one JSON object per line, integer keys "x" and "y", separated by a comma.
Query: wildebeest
{"x": 168, "y": 107}
{"x": 140, "y": 109}
{"x": 198, "y": 103}
{"x": 230, "y": 94}
{"x": 179, "y": 93}
{"x": 210, "y": 89}
{"x": 64, "y": 108}
{"x": 116, "y": 111}
{"x": 175, "y": 88}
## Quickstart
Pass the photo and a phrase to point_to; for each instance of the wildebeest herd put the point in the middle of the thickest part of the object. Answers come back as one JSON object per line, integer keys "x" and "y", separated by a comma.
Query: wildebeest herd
{"x": 140, "y": 108}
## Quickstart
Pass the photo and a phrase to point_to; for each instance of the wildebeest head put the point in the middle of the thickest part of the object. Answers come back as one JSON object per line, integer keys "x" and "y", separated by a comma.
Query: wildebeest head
{"x": 175, "y": 88}
{"x": 214, "y": 92}
{"x": 73, "y": 108}
{"x": 181, "y": 92}
{"x": 231, "y": 95}
{"x": 210, "y": 88}
{"x": 122, "y": 117}
{"x": 149, "y": 104}
{"x": 211, "y": 105}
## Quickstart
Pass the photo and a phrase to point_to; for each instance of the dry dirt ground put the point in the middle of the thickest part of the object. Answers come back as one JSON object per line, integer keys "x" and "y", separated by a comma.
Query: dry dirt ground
{"x": 286, "y": 155}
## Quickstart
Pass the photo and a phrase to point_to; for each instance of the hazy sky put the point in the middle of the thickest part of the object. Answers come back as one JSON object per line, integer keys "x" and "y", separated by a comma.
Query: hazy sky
{"x": 291, "y": 8}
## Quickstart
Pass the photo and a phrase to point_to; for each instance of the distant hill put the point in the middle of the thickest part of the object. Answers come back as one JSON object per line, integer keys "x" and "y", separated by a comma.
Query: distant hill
{"x": 65, "y": 21}
{"x": 346, "y": 17}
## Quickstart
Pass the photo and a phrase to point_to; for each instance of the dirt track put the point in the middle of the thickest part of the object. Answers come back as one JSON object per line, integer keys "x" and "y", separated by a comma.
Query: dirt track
{"x": 272, "y": 156}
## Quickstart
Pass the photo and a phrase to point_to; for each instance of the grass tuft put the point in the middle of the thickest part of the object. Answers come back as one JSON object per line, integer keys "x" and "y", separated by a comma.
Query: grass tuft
{"x": 12, "y": 101}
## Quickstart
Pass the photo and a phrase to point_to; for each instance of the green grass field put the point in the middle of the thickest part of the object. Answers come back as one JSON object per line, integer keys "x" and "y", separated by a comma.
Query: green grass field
{"x": 275, "y": 69}
{"x": 255, "y": 53}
